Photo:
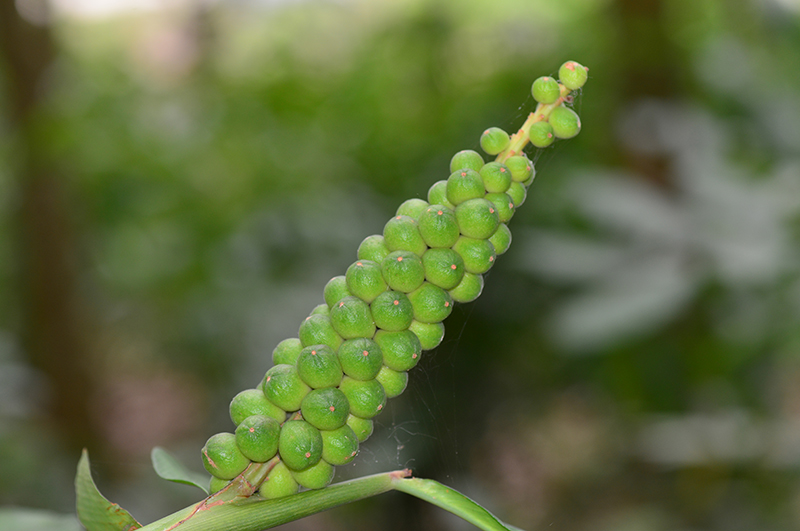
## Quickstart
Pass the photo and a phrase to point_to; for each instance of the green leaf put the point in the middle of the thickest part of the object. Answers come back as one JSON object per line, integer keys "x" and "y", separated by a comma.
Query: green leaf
{"x": 451, "y": 500}
{"x": 95, "y": 512}
{"x": 20, "y": 519}
{"x": 169, "y": 468}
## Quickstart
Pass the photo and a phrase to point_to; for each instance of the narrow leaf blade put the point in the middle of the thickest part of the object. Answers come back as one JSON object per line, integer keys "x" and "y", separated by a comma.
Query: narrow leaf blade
{"x": 451, "y": 500}
{"x": 169, "y": 468}
{"x": 95, "y": 512}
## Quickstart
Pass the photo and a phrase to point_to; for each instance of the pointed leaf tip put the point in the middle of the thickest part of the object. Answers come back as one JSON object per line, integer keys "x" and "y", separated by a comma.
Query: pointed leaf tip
{"x": 169, "y": 468}
{"x": 95, "y": 512}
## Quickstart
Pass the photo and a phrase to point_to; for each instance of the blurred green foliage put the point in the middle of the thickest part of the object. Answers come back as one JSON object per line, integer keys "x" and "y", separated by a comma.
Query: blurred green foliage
{"x": 633, "y": 363}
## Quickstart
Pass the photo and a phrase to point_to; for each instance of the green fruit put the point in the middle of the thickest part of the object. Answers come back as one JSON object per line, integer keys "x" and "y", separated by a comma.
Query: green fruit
{"x": 316, "y": 476}
{"x": 431, "y": 304}
{"x": 517, "y": 192}
{"x": 541, "y": 134}
{"x": 300, "y": 444}
{"x": 287, "y": 351}
{"x": 284, "y": 388}
{"x": 437, "y": 195}
{"x": 463, "y": 185}
{"x": 469, "y": 289}
{"x": 340, "y": 446}
{"x": 546, "y": 90}
{"x": 501, "y": 239}
{"x": 521, "y": 168}
{"x": 222, "y": 458}
{"x": 318, "y": 330}
{"x": 373, "y": 248}
{"x": 494, "y": 140}
{"x": 254, "y": 402}
{"x": 466, "y": 160}
{"x": 402, "y": 234}
{"x": 573, "y": 75}
{"x": 318, "y": 366}
{"x": 361, "y": 427}
{"x": 257, "y": 438}
{"x": 361, "y": 358}
{"x": 430, "y": 335}
{"x": 392, "y": 310}
{"x": 565, "y": 122}
{"x": 367, "y": 397}
{"x": 403, "y": 271}
{"x": 321, "y": 309}
{"x": 217, "y": 484}
{"x": 335, "y": 290}
{"x": 393, "y": 382}
{"x": 351, "y": 318}
{"x": 401, "y": 351}
{"x": 477, "y": 218}
{"x": 478, "y": 255}
{"x": 412, "y": 208}
{"x": 438, "y": 226}
{"x": 496, "y": 177}
{"x": 503, "y": 205}
{"x": 365, "y": 280}
{"x": 279, "y": 483}
{"x": 443, "y": 268}
{"x": 325, "y": 409}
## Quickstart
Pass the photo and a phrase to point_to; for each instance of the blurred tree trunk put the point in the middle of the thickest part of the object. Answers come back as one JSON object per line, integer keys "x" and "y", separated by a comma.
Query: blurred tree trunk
{"x": 47, "y": 289}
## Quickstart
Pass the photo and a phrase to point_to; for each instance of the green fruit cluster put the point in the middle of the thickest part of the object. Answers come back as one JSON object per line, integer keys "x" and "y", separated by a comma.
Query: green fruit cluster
{"x": 353, "y": 352}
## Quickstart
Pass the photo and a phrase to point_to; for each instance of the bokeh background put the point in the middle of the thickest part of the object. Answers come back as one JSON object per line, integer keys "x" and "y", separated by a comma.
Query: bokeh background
{"x": 179, "y": 179}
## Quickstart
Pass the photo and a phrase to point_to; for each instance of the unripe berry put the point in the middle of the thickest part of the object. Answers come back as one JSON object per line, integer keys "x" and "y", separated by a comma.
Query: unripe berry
{"x": 517, "y": 192}
{"x": 437, "y": 195}
{"x": 496, "y": 177}
{"x": 565, "y": 122}
{"x": 393, "y": 382}
{"x": 372, "y": 248}
{"x": 321, "y": 309}
{"x": 401, "y": 350}
{"x": 361, "y": 427}
{"x": 336, "y": 290}
{"x": 222, "y": 458}
{"x": 443, "y": 268}
{"x": 521, "y": 168}
{"x": 318, "y": 330}
{"x": 361, "y": 358}
{"x": 478, "y": 255}
{"x": 403, "y": 271}
{"x": 257, "y": 438}
{"x": 339, "y": 446}
{"x": 463, "y": 185}
{"x": 438, "y": 226}
{"x": 541, "y": 134}
{"x": 501, "y": 239}
{"x": 477, "y": 218}
{"x": 325, "y": 409}
{"x": 503, "y": 205}
{"x": 573, "y": 75}
{"x": 494, "y": 140}
{"x": 367, "y": 397}
{"x": 300, "y": 444}
{"x": 466, "y": 160}
{"x": 351, "y": 318}
{"x": 402, "y": 234}
{"x": 318, "y": 366}
{"x": 412, "y": 208}
{"x": 365, "y": 280}
{"x": 284, "y": 387}
{"x": 217, "y": 484}
{"x": 279, "y": 483}
{"x": 392, "y": 310}
{"x": 254, "y": 402}
{"x": 546, "y": 90}
{"x": 316, "y": 476}
{"x": 430, "y": 335}
{"x": 469, "y": 289}
{"x": 287, "y": 351}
